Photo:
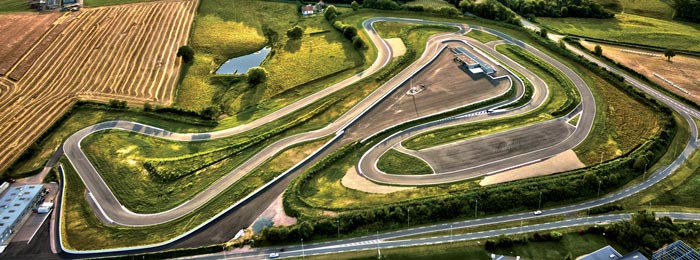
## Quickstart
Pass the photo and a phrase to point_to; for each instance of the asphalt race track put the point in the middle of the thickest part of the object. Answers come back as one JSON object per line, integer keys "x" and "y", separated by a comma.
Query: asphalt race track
{"x": 561, "y": 137}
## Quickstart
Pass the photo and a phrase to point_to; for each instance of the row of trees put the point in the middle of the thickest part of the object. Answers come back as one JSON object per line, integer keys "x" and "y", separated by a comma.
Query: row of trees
{"x": 348, "y": 31}
{"x": 490, "y": 9}
{"x": 558, "y": 8}
{"x": 688, "y": 10}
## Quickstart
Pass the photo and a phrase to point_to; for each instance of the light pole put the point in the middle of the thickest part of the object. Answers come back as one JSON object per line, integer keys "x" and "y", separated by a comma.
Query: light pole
{"x": 601, "y": 157}
{"x": 223, "y": 246}
{"x": 338, "y": 221}
{"x": 302, "y": 248}
{"x": 476, "y": 209}
{"x": 645, "y": 172}
{"x": 521, "y": 224}
{"x": 599, "y": 182}
{"x": 409, "y": 217}
{"x": 450, "y": 232}
{"x": 379, "y": 253}
{"x": 539, "y": 204}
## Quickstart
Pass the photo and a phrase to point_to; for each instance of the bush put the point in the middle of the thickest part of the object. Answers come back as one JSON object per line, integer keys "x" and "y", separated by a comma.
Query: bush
{"x": 113, "y": 103}
{"x": 295, "y": 32}
{"x": 331, "y": 13}
{"x": 256, "y": 75}
{"x": 147, "y": 107}
{"x": 358, "y": 43}
{"x": 187, "y": 54}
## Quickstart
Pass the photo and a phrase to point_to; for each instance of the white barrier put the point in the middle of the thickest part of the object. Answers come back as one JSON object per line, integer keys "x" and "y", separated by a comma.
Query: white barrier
{"x": 641, "y": 53}
{"x": 672, "y": 84}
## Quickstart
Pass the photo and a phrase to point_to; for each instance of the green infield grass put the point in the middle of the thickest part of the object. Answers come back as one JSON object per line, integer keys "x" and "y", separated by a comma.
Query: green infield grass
{"x": 574, "y": 120}
{"x": 633, "y": 29}
{"x": 82, "y": 230}
{"x": 395, "y": 162}
{"x": 482, "y": 36}
{"x": 430, "y": 3}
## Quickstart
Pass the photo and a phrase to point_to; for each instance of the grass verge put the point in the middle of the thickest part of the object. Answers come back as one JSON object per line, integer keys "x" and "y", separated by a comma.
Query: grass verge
{"x": 395, "y": 162}
{"x": 482, "y": 36}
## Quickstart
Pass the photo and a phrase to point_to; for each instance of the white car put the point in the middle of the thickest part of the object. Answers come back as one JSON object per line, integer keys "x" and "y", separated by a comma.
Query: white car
{"x": 274, "y": 255}
{"x": 539, "y": 212}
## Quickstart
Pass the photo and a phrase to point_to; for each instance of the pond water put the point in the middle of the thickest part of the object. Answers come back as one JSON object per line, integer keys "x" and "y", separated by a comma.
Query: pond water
{"x": 240, "y": 65}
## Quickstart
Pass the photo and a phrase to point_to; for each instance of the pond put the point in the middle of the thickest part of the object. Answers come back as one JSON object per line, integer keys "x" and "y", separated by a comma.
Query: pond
{"x": 240, "y": 65}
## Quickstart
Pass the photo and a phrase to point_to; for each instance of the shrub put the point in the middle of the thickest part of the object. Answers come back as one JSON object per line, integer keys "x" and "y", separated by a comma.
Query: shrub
{"x": 187, "y": 53}
{"x": 295, "y": 32}
{"x": 256, "y": 75}
{"x": 147, "y": 107}
{"x": 113, "y": 103}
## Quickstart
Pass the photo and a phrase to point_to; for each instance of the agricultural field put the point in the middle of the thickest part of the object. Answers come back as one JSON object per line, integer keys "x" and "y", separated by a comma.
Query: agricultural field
{"x": 19, "y": 33}
{"x": 296, "y": 68}
{"x": 9, "y": 6}
{"x": 631, "y": 28}
{"x": 681, "y": 70}
{"x": 650, "y": 8}
{"x": 124, "y": 52}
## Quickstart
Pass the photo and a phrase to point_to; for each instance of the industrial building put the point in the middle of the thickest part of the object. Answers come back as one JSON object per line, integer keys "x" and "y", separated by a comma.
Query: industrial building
{"x": 678, "y": 250}
{"x": 14, "y": 205}
{"x": 473, "y": 63}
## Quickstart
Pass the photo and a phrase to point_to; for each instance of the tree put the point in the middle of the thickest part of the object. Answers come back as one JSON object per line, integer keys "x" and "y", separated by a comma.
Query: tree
{"x": 211, "y": 112}
{"x": 543, "y": 33}
{"x": 355, "y": 5}
{"x": 357, "y": 42}
{"x": 271, "y": 35}
{"x": 147, "y": 107}
{"x": 330, "y": 13}
{"x": 256, "y": 75}
{"x": 295, "y": 32}
{"x": 187, "y": 53}
{"x": 669, "y": 53}
{"x": 562, "y": 44}
{"x": 598, "y": 50}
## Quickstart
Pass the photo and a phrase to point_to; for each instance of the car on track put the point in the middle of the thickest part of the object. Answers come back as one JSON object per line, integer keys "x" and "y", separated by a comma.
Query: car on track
{"x": 537, "y": 213}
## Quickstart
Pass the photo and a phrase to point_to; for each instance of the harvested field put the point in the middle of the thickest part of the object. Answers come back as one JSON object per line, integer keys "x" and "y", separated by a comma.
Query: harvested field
{"x": 123, "y": 52}
{"x": 682, "y": 70}
{"x": 19, "y": 32}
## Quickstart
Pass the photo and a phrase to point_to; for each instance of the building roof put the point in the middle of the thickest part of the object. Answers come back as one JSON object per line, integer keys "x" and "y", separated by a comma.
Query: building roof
{"x": 609, "y": 253}
{"x": 14, "y": 202}
{"x": 676, "y": 251}
{"x": 307, "y": 8}
{"x": 486, "y": 67}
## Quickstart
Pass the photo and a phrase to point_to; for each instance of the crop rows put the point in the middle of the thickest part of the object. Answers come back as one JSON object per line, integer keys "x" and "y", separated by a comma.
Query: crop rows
{"x": 123, "y": 52}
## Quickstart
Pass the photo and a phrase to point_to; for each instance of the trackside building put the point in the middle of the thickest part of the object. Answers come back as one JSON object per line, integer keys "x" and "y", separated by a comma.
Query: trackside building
{"x": 14, "y": 205}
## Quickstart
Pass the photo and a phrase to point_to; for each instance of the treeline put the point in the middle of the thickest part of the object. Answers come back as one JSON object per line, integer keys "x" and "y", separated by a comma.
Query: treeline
{"x": 348, "y": 31}
{"x": 490, "y": 9}
{"x": 517, "y": 195}
{"x": 687, "y": 10}
{"x": 558, "y": 8}
{"x": 646, "y": 232}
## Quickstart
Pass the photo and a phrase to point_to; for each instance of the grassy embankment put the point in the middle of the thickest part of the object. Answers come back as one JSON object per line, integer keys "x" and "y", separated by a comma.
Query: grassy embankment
{"x": 395, "y": 162}
{"x": 324, "y": 191}
{"x": 631, "y": 28}
{"x": 430, "y": 3}
{"x": 82, "y": 230}
{"x": 11, "y": 6}
{"x": 562, "y": 95}
{"x": 571, "y": 244}
{"x": 296, "y": 68}
{"x": 481, "y": 36}
{"x": 650, "y": 8}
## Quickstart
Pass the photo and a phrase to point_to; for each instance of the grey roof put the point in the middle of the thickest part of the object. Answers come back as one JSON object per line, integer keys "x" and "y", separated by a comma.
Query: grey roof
{"x": 634, "y": 255}
{"x": 604, "y": 253}
{"x": 15, "y": 202}
{"x": 487, "y": 68}
{"x": 676, "y": 251}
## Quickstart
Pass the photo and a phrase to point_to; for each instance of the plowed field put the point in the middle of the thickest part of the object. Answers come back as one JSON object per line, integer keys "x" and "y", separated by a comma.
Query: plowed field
{"x": 122, "y": 52}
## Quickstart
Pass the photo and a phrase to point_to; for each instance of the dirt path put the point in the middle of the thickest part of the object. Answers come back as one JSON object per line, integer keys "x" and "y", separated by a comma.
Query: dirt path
{"x": 397, "y": 47}
{"x": 562, "y": 162}
{"x": 354, "y": 181}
